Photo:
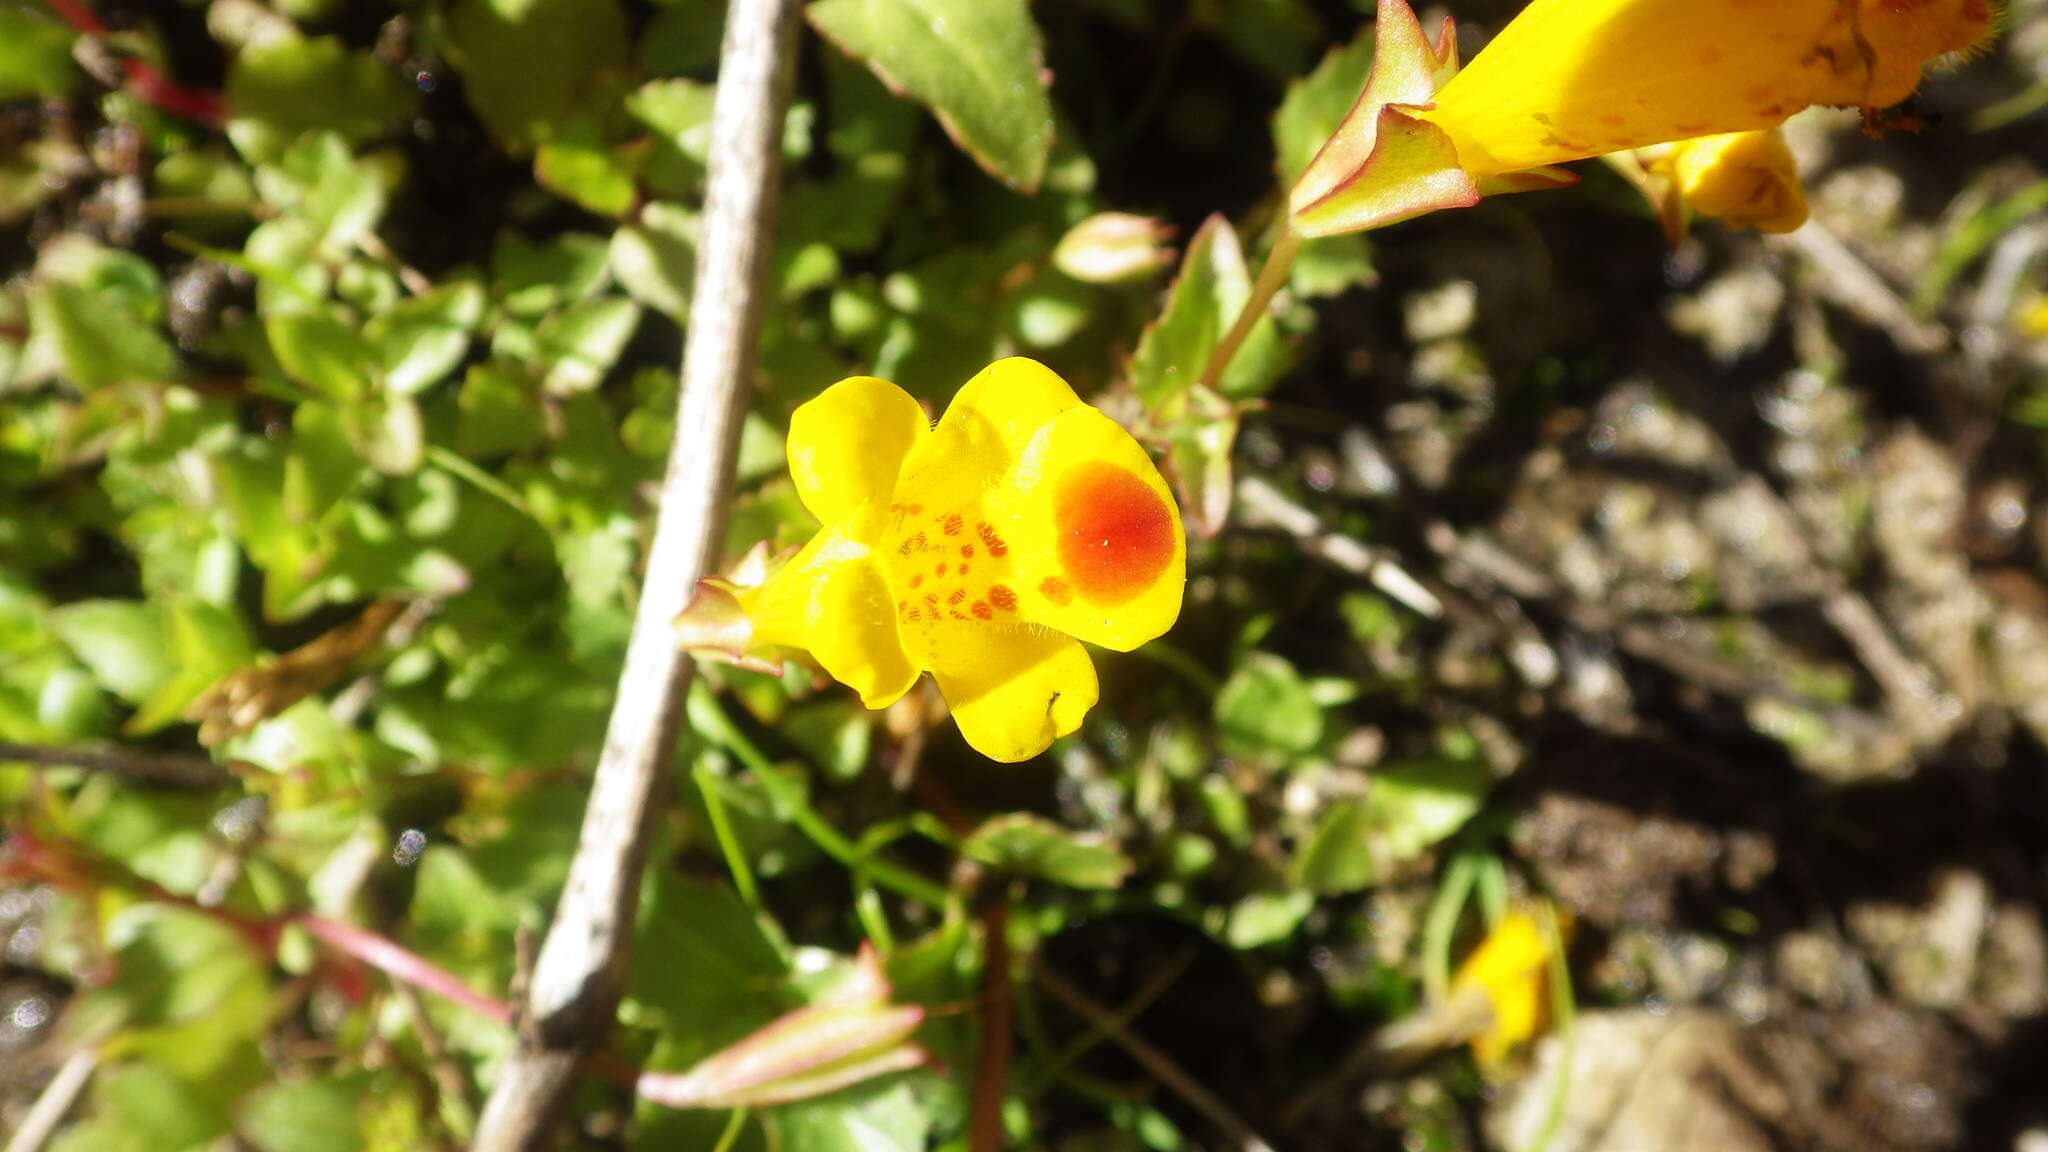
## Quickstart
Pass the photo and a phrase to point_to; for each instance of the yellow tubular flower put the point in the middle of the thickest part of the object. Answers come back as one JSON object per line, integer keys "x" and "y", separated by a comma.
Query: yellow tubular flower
{"x": 982, "y": 550}
{"x": 1510, "y": 973}
{"x": 1570, "y": 79}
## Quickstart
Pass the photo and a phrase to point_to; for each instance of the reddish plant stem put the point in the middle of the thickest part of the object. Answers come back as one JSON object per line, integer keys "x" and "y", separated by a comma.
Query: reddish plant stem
{"x": 992, "y": 1058}
{"x": 400, "y": 964}
{"x": 65, "y": 867}
{"x": 152, "y": 87}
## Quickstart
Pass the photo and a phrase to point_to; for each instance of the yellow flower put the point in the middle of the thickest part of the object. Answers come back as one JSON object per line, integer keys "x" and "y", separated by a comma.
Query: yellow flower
{"x": 1742, "y": 179}
{"x": 1569, "y": 79}
{"x": 1510, "y": 973}
{"x": 981, "y": 549}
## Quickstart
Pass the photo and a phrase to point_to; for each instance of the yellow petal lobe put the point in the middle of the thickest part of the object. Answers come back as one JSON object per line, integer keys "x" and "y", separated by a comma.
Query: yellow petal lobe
{"x": 1095, "y": 541}
{"x": 847, "y": 446}
{"x": 985, "y": 428}
{"x": 1013, "y": 688}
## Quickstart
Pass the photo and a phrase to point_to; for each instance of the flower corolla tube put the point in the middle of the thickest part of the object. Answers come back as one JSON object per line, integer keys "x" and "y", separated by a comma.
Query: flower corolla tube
{"x": 982, "y": 549}
{"x": 1570, "y": 79}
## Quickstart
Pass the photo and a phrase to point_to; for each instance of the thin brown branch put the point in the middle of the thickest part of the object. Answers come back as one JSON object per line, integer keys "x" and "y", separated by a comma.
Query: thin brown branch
{"x": 55, "y": 1102}
{"x": 580, "y": 973}
{"x": 1156, "y": 1062}
{"x": 174, "y": 768}
{"x": 992, "y": 1057}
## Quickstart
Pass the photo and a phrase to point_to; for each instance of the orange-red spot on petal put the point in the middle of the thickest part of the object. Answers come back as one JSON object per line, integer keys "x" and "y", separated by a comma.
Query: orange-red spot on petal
{"x": 981, "y": 610}
{"x": 1001, "y": 596}
{"x": 990, "y": 540}
{"x": 1115, "y": 532}
{"x": 917, "y": 579}
{"x": 958, "y": 595}
{"x": 1056, "y": 590}
{"x": 967, "y": 550}
{"x": 939, "y": 571}
{"x": 952, "y": 524}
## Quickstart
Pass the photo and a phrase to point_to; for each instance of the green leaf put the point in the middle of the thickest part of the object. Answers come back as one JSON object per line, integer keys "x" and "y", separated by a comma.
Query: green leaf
{"x": 678, "y": 112}
{"x": 35, "y": 56}
{"x": 206, "y": 642}
{"x": 177, "y": 965}
{"x": 1407, "y": 809}
{"x": 655, "y": 258}
{"x": 321, "y": 354}
{"x": 1417, "y": 805}
{"x": 307, "y": 1116}
{"x": 1207, "y": 295}
{"x": 581, "y": 165}
{"x": 1339, "y": 854}
{"x": 1267, "y": 918}
{"x": 579, "y": 344}
{"x": 1034, "y": 846}
{"x": 1265, "y": 705}
{"x": 421, "y": 340}
{"x": 704, "y": 963}
{"x": 525, "y": 64}
{"x": 868, "y": 1118}
{"x": 1316, "y": 104}
{"x": 977, "y": 64}
{"x": 498, "y": 411}
{"x": 121, "y": 641}
{"x": 282, "y": 87}
{"x": 139, "y": 1107}
{"x": 91, "y": 343}
{"x": 533, "y": 279}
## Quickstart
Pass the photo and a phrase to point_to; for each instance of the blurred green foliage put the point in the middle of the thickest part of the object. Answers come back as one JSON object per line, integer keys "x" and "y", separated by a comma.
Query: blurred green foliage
{"x": 402, "y": 330}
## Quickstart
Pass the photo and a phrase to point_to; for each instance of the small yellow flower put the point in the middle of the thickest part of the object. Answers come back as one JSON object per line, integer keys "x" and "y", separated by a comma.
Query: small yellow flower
{"x": 1742, "y": 179}
{"x": 1569, "y": 79}
{"x": 1510, "y": 974}
{"x": 981, "y": 549}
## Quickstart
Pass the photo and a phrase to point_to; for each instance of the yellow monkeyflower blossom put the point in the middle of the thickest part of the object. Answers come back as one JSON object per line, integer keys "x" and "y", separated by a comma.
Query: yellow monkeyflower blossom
{"x": 983, "y": 550}
{"x": 1571, "y": 79}
{"x": 1510, "y": 974}
{"x": 1743, "y": 179}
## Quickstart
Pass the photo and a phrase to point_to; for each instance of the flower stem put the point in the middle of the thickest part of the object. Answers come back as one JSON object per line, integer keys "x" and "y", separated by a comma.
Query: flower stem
{"x": 1271, "y": 277}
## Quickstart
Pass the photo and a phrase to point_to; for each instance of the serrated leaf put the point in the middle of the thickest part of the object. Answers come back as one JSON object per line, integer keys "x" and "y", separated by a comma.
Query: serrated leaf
{"x": 655, "y": 258}
{"x": 579, "y": 344}
{"x": 120, "y": 641}
{"x": 1407, "y": 809}
{"x": 1207, "y": 294}
{"x": 1266, "y": 705}
{"x": 1316, "y": 103}
{"x": 321, "y": 354}
{"x": 526, "y": 63}
{"x": 977, "y": 64}
{"x": 1034, "y": 846}
{"x": 35, "y": 56}
{"x": 582, "y": 166}
{"x": 285, "y": 86}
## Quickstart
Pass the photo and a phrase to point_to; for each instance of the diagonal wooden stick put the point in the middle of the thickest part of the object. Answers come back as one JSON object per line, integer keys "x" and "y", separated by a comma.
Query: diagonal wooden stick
{"x": 580, "y": 972}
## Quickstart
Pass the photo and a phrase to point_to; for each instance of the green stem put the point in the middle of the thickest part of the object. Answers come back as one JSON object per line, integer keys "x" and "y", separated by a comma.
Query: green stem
{"x": 1564, "y": 1014}
{"x": 709, "y": 720}
{"x": 733, "y": 1127}
{"x": 728, "y": 843}
{"x": 1271, "y": 277}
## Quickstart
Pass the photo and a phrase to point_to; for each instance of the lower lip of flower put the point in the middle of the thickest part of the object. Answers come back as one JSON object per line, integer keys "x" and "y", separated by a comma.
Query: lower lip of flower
{"x": 1115, "y": 532}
